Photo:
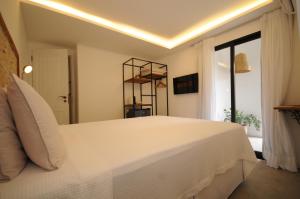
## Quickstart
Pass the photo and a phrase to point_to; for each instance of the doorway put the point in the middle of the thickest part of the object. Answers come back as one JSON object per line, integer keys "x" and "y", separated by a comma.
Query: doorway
{"x": 238, "y": 85}
{"x": 51, "y": 80}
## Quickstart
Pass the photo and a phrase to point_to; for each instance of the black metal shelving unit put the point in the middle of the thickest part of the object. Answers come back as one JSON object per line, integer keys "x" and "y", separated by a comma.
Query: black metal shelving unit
{"x": 136, "y": 64}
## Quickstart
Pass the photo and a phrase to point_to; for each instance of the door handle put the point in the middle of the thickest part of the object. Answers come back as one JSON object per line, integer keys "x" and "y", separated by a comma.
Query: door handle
{"x": 64, "y": 98}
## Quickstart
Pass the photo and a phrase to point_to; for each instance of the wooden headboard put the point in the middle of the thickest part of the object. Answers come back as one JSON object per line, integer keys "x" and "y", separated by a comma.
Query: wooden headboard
{"x": 9, "y": 57}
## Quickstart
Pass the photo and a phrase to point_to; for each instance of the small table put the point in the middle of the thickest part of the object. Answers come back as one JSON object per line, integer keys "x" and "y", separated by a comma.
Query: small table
{"x": 294, "y": 110}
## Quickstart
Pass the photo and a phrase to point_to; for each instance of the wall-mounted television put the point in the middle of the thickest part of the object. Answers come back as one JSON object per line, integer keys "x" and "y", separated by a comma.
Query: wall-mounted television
{"x": 186, "y": 84}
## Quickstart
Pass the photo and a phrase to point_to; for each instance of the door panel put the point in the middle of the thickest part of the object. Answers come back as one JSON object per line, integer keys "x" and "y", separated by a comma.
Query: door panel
{"x": 248, "y": 85}
{"x": 51, "y": 80}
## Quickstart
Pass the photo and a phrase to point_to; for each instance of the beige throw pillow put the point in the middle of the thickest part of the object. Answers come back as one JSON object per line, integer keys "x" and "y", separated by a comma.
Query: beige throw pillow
{"x": 12, "y": 156}
{"x": 36, "y": 124}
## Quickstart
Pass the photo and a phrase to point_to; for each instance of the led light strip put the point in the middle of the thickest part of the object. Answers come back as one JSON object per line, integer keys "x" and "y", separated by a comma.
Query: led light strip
{"x": 144, "y": 35}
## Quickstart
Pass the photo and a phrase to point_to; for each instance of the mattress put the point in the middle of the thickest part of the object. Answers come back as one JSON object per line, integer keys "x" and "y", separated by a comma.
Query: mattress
{"x": 152, "y": 157}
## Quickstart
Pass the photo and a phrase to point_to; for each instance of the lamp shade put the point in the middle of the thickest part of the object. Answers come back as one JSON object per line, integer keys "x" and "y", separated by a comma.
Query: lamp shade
{"x": 241, "y": 63}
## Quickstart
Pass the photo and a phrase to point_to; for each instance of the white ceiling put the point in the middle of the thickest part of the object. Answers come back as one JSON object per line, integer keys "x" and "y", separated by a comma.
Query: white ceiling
{"x": 163, "y": 17}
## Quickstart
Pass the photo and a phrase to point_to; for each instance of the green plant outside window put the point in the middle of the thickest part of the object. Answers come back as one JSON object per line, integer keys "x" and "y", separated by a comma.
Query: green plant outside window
{"x": 243, "y": 119}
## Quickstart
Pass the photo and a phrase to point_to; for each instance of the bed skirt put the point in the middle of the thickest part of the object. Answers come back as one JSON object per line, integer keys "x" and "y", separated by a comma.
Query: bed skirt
{"x": 224, "y": 184}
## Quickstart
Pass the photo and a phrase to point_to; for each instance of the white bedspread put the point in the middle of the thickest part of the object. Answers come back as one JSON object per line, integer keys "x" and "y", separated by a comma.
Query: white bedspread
{"x": 142, "y": 158}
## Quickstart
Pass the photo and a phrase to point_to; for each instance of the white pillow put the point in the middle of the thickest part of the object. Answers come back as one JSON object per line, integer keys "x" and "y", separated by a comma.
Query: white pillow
{"x": 12, "y": 156}
{"x": 36, "y": 124}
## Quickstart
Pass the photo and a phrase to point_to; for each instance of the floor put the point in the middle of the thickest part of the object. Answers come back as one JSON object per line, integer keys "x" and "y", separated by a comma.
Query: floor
{"x": 265, "y": 182}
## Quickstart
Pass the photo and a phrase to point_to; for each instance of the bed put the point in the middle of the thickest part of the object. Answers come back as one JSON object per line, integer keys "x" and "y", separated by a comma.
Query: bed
{"x": 153, "y": 157}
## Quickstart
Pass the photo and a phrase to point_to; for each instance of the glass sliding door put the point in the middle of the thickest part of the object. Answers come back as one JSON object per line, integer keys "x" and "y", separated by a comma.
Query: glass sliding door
{"x": 238, "y": 83}
{"x": 248, "y": 87}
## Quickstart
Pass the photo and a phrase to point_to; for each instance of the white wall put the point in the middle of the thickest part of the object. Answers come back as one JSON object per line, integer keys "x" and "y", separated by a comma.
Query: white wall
{"x": 100, "y": 94}
{"x": 182, "y": 63}
{"x": 11, "y": 13}
{"x": 238, "y": 32}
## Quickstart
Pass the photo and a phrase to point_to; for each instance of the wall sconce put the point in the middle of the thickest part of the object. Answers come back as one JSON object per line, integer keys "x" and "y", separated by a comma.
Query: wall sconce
{"x": 27, "y": 70}
{"x": 241, "y": 63}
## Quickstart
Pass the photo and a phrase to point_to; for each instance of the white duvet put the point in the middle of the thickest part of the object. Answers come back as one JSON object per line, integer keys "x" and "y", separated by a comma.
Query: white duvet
{"x": 142, "y": 158}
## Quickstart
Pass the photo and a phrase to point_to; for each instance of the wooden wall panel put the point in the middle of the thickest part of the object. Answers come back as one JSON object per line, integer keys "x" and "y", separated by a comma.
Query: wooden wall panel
{"x": 9, "y": 58}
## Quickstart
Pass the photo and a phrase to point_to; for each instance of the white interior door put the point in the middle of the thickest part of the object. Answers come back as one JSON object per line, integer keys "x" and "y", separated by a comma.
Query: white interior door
{"x": 51, "y": 80}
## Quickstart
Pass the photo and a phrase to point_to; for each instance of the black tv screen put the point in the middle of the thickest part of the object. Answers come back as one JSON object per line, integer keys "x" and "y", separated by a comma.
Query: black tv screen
{"x": 186, "y": 84}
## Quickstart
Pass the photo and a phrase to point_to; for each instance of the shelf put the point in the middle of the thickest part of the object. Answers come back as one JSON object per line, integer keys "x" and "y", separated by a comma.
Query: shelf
{"x": 155, "y": 76}
{"x": 138, "y": 80}
{"x": 149, "y": 95}
{"x": 294, "y": 110}
{"x": 288, "y": 108}
{"x": 138, "y": 104}
{"x": 139, "y": 75}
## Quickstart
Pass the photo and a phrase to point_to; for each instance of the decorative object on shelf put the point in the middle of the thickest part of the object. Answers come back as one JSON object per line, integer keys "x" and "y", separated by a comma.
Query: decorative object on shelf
{"x": 139, "y": 80}
{"x": 243, "y": 119}
{"x": 137, "y": 77}
{"x": 138, "y": 105}
{"x": 134, "y": 103}
{"x": 241, "y": 63}
{"x": 155, "y": 73}
{"x": 142, "y": 72}
{"x": 138, "y": 113}
{"x": 186, "y": 84}
{"x": 294, "y": 110}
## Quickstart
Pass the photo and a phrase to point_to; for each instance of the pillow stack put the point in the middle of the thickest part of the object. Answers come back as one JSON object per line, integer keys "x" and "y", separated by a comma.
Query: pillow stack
{"x": 36, "y": 130}
{"x": 12, "y": 157}
{"x": 36, "y": 125}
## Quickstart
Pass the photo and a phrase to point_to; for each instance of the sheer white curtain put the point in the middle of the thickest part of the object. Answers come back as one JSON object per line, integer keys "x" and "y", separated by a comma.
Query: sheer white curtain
{"x": 276, "y": 57}
{"x": 206, "y": 65}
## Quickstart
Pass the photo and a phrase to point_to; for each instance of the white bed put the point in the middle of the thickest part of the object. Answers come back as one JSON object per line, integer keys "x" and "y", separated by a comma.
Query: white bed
{"x": 142, "y": 158}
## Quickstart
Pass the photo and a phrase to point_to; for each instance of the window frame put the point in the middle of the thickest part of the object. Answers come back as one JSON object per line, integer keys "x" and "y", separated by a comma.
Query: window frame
{"x": 231, "y": 45}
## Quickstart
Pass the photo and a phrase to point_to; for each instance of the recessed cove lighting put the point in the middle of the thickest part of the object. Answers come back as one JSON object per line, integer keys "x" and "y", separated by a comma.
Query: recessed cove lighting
{"x": 145, "y": 35}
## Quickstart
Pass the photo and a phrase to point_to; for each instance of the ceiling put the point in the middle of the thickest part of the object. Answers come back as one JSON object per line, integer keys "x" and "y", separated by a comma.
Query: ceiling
{"x": 163, "y": 17}
{"x": 167, "y": 18}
